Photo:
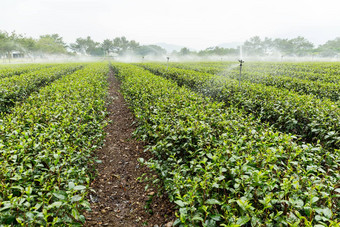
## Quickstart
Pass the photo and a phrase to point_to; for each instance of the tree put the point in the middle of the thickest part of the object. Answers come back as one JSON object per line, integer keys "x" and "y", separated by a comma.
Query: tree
{"x": 254, "y": 46}
{"x": 7, "y": 44}
{"x": 28, "y": 45}
{"x": 184, "y": 51}
{"x": 302, "y": 46}
{"x": 150, "y": 50}
{"x": 51, "y": 44}
{"x": 121, "y": 45}
{"x": 56, "y": 38}
{"x": 87, "y": 47}
{"x": 133, "y": 45}
{"x": 284, "y": 46}
{"x": 299, "y": 46}
{"x": 267, "y": 45}
{"x": 330, "y": 49}
{"x": 107, "y": 46}
{"x": 218, "y": 51}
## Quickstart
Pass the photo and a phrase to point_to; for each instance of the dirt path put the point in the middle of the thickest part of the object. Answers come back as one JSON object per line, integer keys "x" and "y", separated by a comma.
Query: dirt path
{"x": 120, "y": 199}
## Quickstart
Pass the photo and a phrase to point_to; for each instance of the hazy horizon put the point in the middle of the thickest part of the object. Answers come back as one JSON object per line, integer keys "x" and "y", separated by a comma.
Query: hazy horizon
{"x": 194, "y": 24}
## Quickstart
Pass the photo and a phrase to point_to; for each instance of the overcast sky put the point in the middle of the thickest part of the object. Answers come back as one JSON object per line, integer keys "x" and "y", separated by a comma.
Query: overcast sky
{"x": 192, "y": 23}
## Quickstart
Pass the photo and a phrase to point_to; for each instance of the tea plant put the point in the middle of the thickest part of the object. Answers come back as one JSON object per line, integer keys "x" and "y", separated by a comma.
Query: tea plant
{"x": 8, "y": 71}
{"x": 314, "y": 120}
{"x": 222, "y": 166}
{"x": 318, "y": 72}
{"x": 253, "y": 73}
{"x": 45, "y": 150}
{"x": 18, "y": 88}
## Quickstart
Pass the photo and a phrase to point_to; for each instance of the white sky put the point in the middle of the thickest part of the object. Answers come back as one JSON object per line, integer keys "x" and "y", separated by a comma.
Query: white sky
{"x": 195, "y": 24}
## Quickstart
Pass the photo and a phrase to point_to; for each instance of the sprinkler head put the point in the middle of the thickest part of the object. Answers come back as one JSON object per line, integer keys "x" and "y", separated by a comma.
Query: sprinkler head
{"x": 167, "y": 58}
{"x": 241, "y": 62}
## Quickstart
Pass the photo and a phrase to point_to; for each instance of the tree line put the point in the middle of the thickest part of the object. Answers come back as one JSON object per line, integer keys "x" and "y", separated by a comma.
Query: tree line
{"x": 53, "y": 44}
{"x": 255, "y": 46}
{"x": 298, "y": 46}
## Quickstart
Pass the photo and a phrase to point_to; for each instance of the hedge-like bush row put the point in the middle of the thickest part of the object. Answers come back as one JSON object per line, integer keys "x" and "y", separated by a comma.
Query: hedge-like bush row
{"x": 18, "y": 88}
{"x": 45, "y": 150}
{"x": 8, "y": 71}
{"x": 312, "y": 119}
{"x": 319, "y": 72}
{"x": 224, "y": 168}
{"x": 303, "y": 86}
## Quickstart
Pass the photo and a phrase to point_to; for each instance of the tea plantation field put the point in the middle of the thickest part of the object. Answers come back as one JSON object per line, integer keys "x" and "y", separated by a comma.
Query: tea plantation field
{"x": 262, "y": 149}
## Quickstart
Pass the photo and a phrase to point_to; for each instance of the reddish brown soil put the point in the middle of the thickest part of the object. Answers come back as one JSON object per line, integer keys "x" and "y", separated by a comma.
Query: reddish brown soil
{"x": 119, "y": 198}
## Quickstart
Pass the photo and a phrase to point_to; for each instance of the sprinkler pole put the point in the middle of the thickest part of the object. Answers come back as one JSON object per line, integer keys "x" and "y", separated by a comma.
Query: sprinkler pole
{"x": 167, "y": 63}
{"x": 241, "y": 62}
{"x": 239, "y": 80}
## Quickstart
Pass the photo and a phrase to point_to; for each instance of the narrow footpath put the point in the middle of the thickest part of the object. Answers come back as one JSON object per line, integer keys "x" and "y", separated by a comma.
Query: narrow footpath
{"x": 120, "y": 198}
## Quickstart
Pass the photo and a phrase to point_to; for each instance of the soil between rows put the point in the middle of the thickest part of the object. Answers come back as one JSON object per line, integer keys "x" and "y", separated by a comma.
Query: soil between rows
{"x": 119, "y": 198}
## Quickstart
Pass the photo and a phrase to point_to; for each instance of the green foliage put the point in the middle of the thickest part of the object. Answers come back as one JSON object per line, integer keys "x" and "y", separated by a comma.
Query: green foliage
{"x": 312, "y": 119}
{"x": 45, "y": 150}
{"x": 86, "y": 46}
{"x": 223, "y": 167}
{"x": 107, "y": 46}
{"x": 18, "y": 88}
{"x": 320, "y": 80}
{"x": 46, "y": 44}
{"x": 150, "y": 50}
{"x": 11, "y": 70}
{"x": 219, "y": 51}
{"x": 331, "y": 48}
{"x": 51, "y": 44}
{"x": 298, "y": 46}
{"x": 7, "y": 43}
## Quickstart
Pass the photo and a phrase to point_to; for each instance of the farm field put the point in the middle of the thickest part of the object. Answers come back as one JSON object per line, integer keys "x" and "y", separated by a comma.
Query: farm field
{"x": 262, "y": 149}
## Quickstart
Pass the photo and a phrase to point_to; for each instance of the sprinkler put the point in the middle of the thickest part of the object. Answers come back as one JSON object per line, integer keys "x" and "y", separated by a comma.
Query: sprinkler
{"x": 167, "y": 63}
{"x": 241, "y": 62}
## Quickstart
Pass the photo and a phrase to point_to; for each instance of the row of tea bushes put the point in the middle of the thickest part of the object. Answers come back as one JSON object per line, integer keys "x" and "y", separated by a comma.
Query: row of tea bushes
{"x": 319, "y": 72}
{"x": 18, "y": 88}
{"x": 45, "y": 150}
{"x": 223, "y": 167}
{"x": 314, "y": 120}
{"x": 251, "y": 73}
{"x": 11, "y": 70}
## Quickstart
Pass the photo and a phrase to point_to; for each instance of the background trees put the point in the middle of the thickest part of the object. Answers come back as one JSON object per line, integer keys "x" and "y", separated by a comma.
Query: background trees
{"x": 330, "y": 49}
{"x": 117, "y": 46}
{"x": 46, "y": 44}
{"x": 53, "y": 44}
{"x": 218, "y": 51}
{"x": 87, "y": 46}
{"x": 298, "y": 46}
{"x": 7, "y": 44}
